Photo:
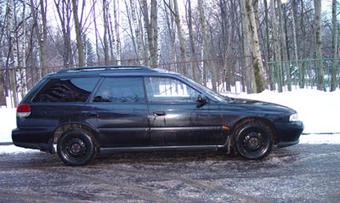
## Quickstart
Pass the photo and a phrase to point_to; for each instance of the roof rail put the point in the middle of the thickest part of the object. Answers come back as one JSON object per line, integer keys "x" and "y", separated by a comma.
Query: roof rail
{"x": 104, "y": 68}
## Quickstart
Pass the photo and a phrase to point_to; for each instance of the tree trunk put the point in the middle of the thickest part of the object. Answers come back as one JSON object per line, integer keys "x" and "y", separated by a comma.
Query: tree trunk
{"x": 318, "y": 44}
{"x": 180, "y": 38}
{"x": 80, "y": 45}
{"x": 269, "y": 56}
{"x": 257, "y": 65}
{"x": 295, "y": 45}
{"x": 334, "y": 46}
{"x": 132, "y": 20}
{"x": 11, "y": 62}
{"x": 106, "y": 33}
{"x": 96, "y": 32}
{"x": 191, "y": 40}
{"x": 43, "y": 10}
{"x": 276, "y": 44}
{"x": 249, "y": 71}
{"x": 204, "y": 45}
{"x": 117, "y": 31}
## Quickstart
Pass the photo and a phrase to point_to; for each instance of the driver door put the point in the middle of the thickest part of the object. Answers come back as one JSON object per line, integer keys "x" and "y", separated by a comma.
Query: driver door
{"x": 174, "y": 117}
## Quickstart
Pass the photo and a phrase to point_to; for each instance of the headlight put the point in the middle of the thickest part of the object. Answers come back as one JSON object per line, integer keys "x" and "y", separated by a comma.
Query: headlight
{"x": 294, "y": 117}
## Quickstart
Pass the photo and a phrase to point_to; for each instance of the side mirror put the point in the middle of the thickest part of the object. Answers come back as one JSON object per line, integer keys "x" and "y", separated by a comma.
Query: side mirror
{"x": 201, "y": 101}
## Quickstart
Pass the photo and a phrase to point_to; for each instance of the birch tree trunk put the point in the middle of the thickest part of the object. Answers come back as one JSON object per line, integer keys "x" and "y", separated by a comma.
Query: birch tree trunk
{"x": 106, "y": 33}
{"x": 318, "y": 44}
{"x": 334, "y": 45}
{"x": 204, "y": 46}
{"x": 249, "y": 72}
{"x": 116, "y": 10}
{"x": 257, "y": 65}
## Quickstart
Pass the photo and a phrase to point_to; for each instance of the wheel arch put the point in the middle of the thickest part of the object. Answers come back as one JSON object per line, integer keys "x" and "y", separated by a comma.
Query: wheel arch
{"x": 245, "y": 120}
{"x": 68, "y": 126}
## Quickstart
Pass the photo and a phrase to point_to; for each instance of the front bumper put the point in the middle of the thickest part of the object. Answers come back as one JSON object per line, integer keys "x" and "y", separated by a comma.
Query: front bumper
{"x": 288, "y": 133}
{"x": 33, "y": 138}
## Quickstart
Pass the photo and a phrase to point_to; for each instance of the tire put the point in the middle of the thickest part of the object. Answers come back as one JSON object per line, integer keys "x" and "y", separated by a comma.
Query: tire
{"x": 253, "y": 140}
{"x": 76, "y": 147}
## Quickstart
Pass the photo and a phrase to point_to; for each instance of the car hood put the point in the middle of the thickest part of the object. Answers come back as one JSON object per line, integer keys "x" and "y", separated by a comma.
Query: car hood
{"x": 260, "y": 105}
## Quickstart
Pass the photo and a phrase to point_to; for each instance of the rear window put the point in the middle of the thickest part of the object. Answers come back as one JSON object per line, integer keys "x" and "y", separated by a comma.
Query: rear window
{"x": 66, "y": 90}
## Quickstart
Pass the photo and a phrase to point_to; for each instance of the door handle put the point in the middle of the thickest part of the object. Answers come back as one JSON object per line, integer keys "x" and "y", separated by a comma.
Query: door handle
{"x": 91, "y": 114}
{"x": 159, "y": 113}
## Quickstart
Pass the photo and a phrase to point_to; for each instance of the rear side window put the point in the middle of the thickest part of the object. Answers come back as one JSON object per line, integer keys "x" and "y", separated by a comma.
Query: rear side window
{"x": 66, "y": 90}
{"x": 121, "y": 90}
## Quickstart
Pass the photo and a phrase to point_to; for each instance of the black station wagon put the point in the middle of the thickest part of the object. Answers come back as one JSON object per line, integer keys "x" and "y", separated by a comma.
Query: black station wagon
{"x": 83, "y": 111}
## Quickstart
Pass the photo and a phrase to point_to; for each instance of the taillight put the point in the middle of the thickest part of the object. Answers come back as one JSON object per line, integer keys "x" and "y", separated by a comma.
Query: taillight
{"x": 23, "y": 110}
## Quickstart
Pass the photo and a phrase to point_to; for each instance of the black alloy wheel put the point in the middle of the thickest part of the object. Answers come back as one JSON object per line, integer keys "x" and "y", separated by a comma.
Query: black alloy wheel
{"x": 254, "y": 140}
{"x": 76, "y": 147}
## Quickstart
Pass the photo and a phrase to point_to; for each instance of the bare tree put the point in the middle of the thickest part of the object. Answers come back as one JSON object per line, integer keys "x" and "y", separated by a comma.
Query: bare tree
{"x": 191, "y": 39}
{"x": 180, "y": 37}
{"x": 64, "y": 11}
{"x": 11, "y": 59}
{"x": 151, "y": 27}
{"x": 96, "y": 31}
{"x": 106, "y": 33}
{"x": 77, "y": 25}
{"x": 41, "y": 32}
{"x": 318, "y": 44}
{"x": 116, "y": 10}
{"x": 295, "y": 44}
{"x": 334, "y": 45}
{"x": 204, "y": 44}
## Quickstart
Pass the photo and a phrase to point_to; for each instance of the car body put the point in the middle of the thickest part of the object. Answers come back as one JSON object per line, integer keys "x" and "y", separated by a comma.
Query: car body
{"x": 92, "y": 109}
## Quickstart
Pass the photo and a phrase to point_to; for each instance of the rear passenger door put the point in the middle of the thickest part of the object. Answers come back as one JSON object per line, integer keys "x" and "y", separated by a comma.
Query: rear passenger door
{"x": 121, "y": 112}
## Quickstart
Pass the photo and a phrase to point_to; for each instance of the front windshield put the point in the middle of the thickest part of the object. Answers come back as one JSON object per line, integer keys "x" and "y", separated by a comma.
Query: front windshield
{"x": 212, "y": 93}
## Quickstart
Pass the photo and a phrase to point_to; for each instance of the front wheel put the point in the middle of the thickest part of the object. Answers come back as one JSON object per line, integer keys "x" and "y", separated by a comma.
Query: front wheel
{"x": 76, "y": 147}
{"x": 254, "y": 140}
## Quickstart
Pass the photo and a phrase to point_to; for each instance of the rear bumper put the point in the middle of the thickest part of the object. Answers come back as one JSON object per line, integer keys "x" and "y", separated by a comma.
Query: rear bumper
{"x": 33, "y": 138}
{"x": 288, "y": 133}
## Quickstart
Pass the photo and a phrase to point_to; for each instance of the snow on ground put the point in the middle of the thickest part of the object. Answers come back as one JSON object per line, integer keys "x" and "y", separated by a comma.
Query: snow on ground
{"x": 318, "y": 110}
{"x": 8, "y": 122}
{"x": 10, "y": 149}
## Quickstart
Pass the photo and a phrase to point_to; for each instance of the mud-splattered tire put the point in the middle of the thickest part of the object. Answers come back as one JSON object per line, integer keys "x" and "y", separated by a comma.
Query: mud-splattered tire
{"x": 76, "y": 147}
{"x": 253, "y": 140}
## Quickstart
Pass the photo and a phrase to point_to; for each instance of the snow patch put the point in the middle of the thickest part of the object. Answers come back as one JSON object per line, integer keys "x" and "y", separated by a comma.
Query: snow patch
{"x": 8, "y": 123}
{"x": 317, "y": 109}
{"x": 11, "y": 149}
{"x": 320, "y": 139}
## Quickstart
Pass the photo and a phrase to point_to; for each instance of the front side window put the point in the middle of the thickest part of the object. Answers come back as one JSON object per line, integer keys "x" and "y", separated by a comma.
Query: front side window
{"x": 66, "y": 90}
{"x": 163, "y": 89}
{"x": 121, "y": 90}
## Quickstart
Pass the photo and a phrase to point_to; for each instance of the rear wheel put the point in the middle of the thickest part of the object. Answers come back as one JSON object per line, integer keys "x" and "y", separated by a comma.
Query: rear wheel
{"x": 254, "y": 140}
{"x": 76, "y": 147}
